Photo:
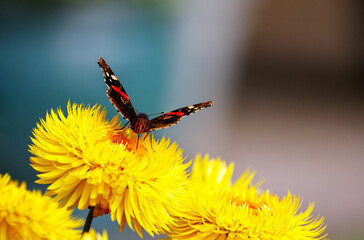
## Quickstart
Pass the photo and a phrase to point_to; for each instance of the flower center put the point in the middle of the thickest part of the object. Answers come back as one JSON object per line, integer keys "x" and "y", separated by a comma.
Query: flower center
{"x": 254, "y": 207}
{"x": 129, "y": 140}
{"x": 120, "y": 138}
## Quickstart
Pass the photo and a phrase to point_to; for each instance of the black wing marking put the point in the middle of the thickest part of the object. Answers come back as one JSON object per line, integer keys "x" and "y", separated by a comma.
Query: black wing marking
{"x": 116, "y": 93}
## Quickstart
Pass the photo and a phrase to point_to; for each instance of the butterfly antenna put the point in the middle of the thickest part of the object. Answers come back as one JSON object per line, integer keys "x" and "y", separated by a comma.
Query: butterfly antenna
{"x": 155, "y": 114}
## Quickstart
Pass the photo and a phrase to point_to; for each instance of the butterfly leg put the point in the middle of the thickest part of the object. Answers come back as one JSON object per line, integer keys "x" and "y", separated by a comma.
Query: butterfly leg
{"x": 138, "y": 136}
{"x": 146, "y": 135}
{"x": 122, "y": 129}
{"x": 125, "y": 125}
{"x": 150, "y": 135}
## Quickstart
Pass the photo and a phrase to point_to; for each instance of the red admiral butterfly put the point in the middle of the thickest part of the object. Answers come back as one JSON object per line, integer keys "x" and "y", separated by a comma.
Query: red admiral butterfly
{"x": 139, "y": 122}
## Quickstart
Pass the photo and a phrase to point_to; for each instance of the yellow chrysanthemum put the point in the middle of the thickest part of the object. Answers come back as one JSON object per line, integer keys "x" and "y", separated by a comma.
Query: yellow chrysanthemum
{"x": 30, "y": 215}
{"x": 93, "y": 235}
{"x": 91, "y": 162}
{"x": 146, "y": 194}
{"x": 217, "y": 209}
{"x": 76, "y": 156}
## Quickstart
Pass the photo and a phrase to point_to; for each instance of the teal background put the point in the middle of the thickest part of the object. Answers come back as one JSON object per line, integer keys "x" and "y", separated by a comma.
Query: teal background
{"x": 49, "y": 55}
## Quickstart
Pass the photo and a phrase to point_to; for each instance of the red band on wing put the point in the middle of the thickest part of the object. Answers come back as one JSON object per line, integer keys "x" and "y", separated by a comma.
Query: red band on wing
{"x": 176, "y": 113}
{"x": 121, "y": 93}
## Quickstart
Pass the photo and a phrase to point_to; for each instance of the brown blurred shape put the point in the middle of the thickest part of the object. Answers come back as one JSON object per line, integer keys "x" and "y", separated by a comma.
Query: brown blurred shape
{"x": 310, "y": 47}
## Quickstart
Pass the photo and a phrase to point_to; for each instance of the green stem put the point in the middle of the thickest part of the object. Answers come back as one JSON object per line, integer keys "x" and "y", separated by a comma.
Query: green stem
{"x": 88, "y": 221}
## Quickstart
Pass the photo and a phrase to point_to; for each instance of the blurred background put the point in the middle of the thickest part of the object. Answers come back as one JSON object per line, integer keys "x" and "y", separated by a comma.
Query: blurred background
{"x": 286, "y": 77}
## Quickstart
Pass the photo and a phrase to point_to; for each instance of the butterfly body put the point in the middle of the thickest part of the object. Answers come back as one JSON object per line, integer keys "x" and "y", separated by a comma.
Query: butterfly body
{"x": 139, "y": 122}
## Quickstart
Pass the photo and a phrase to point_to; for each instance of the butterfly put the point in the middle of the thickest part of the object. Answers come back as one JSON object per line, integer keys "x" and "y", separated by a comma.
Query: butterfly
{"x": 139, "y": 122}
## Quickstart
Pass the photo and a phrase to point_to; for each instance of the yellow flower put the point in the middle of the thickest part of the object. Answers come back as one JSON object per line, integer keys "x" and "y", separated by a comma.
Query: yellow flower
{"x": 75, "y": 155}
{"x": 217, "y": 209}
{"x": 93, "y": 235}
{"x": 146, "y": 193}
{"x": 30, "y": 215}
{"x": 92, "y": 162}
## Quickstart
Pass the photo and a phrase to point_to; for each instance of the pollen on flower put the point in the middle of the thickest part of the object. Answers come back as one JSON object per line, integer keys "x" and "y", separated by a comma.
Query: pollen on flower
{"x": 130, "y": 139}
{"x": 254, "y": 207}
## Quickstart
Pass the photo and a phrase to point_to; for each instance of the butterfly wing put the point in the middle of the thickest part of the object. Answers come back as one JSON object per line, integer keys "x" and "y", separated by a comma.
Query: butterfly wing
{"x": 175, "y": 116}
{"x": 116, "y": 92}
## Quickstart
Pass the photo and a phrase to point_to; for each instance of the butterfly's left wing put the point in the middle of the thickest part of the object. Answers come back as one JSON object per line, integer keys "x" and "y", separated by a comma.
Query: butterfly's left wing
{"x": 175, "y": 116}
{"x": 117, "y": 93}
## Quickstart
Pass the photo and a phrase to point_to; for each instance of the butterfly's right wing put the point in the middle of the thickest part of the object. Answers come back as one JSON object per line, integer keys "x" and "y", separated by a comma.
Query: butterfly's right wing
{"x": 116, "y": 92}
{"x": 175, "y": 116}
